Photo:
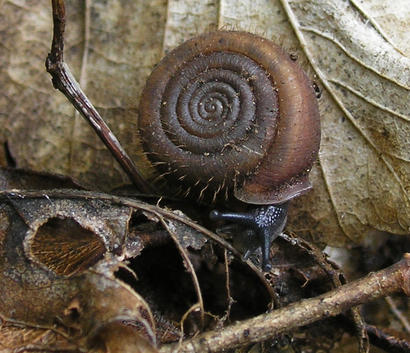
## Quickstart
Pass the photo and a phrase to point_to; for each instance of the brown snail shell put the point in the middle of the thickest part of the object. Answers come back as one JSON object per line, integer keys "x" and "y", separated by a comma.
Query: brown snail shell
{"x": 231, "y": 111}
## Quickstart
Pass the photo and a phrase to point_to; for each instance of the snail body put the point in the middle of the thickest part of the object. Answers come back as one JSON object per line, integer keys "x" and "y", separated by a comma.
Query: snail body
{"x": 230, "y": 111}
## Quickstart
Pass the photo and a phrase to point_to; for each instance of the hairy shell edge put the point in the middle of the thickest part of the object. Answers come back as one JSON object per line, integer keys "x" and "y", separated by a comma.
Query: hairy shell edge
{"x": 294, "y": 128}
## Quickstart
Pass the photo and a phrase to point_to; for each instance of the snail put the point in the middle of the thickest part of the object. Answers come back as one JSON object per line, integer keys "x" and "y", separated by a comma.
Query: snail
{"x": 229, "y": 113}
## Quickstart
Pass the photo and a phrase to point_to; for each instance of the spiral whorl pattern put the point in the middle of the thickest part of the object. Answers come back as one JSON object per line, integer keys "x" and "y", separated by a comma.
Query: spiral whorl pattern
{"x": 210, "y": 110}
{"x": 214, "y": 103}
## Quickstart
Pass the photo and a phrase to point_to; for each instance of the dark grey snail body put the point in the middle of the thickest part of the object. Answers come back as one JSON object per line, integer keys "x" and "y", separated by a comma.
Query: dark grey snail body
{"x": 231, "y": 113}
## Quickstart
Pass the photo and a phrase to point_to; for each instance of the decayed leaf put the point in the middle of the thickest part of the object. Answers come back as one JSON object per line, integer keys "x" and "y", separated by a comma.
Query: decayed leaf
{"x": 58, "y": 259}
{"x": 65, "y": 247}
{"x": 362, "y": 180}
{"x": 24, "y": 340}
{"x": 11, "y": 178}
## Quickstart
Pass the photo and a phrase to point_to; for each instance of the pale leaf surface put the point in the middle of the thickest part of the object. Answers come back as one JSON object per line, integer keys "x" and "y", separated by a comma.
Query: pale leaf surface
{"x": 365, "y": 145}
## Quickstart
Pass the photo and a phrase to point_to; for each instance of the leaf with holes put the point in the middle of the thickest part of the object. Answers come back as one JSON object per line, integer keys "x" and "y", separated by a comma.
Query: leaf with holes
{"x": 58, "y": 260}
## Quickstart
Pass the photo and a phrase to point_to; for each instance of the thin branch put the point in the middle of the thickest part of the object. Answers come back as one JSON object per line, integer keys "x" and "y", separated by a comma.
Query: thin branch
{"x": 392, "y": 279}
{"x": 403, "y": 319}
{"x": 338, "y": 278}
{"x": 64, "y": 81}
{"x": 386, "y": 341}
{"x": 230, "y": 300}
{"x": 188, "y": 265}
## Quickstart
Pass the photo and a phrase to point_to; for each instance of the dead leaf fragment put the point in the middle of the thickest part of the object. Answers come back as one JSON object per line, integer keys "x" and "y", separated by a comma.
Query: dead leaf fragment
{"x": 65, "y": 247}
{"x": 57, "y": 270}
{"x": 25, "y": 340}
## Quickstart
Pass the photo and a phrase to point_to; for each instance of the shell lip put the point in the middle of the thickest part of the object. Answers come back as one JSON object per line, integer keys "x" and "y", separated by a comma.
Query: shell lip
{"x": 281, "y": 194}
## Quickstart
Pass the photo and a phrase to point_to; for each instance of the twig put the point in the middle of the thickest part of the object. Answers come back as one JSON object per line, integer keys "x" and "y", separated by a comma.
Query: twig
{"x": 230, "y": 300}
{"x": 386, "y": 341}
{"x": 65, "y": 82}
{"x": 183, "y": 319}
{"x": 392, "y": 279}
{"x": 188, "y": 264}
{"x": 338, "y": 278}
{"x": 403, "y": 320}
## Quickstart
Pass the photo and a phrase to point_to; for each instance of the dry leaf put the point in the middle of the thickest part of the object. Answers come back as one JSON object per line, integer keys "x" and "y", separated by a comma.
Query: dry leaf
{"x": 65, "y": 247}
{"x": 11, "y": 178}
{"x": 24, "y": 340}
{"x": 365, "y": 146}
{"x": 58, "y": 258}
{"x": 362, "y": 179}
